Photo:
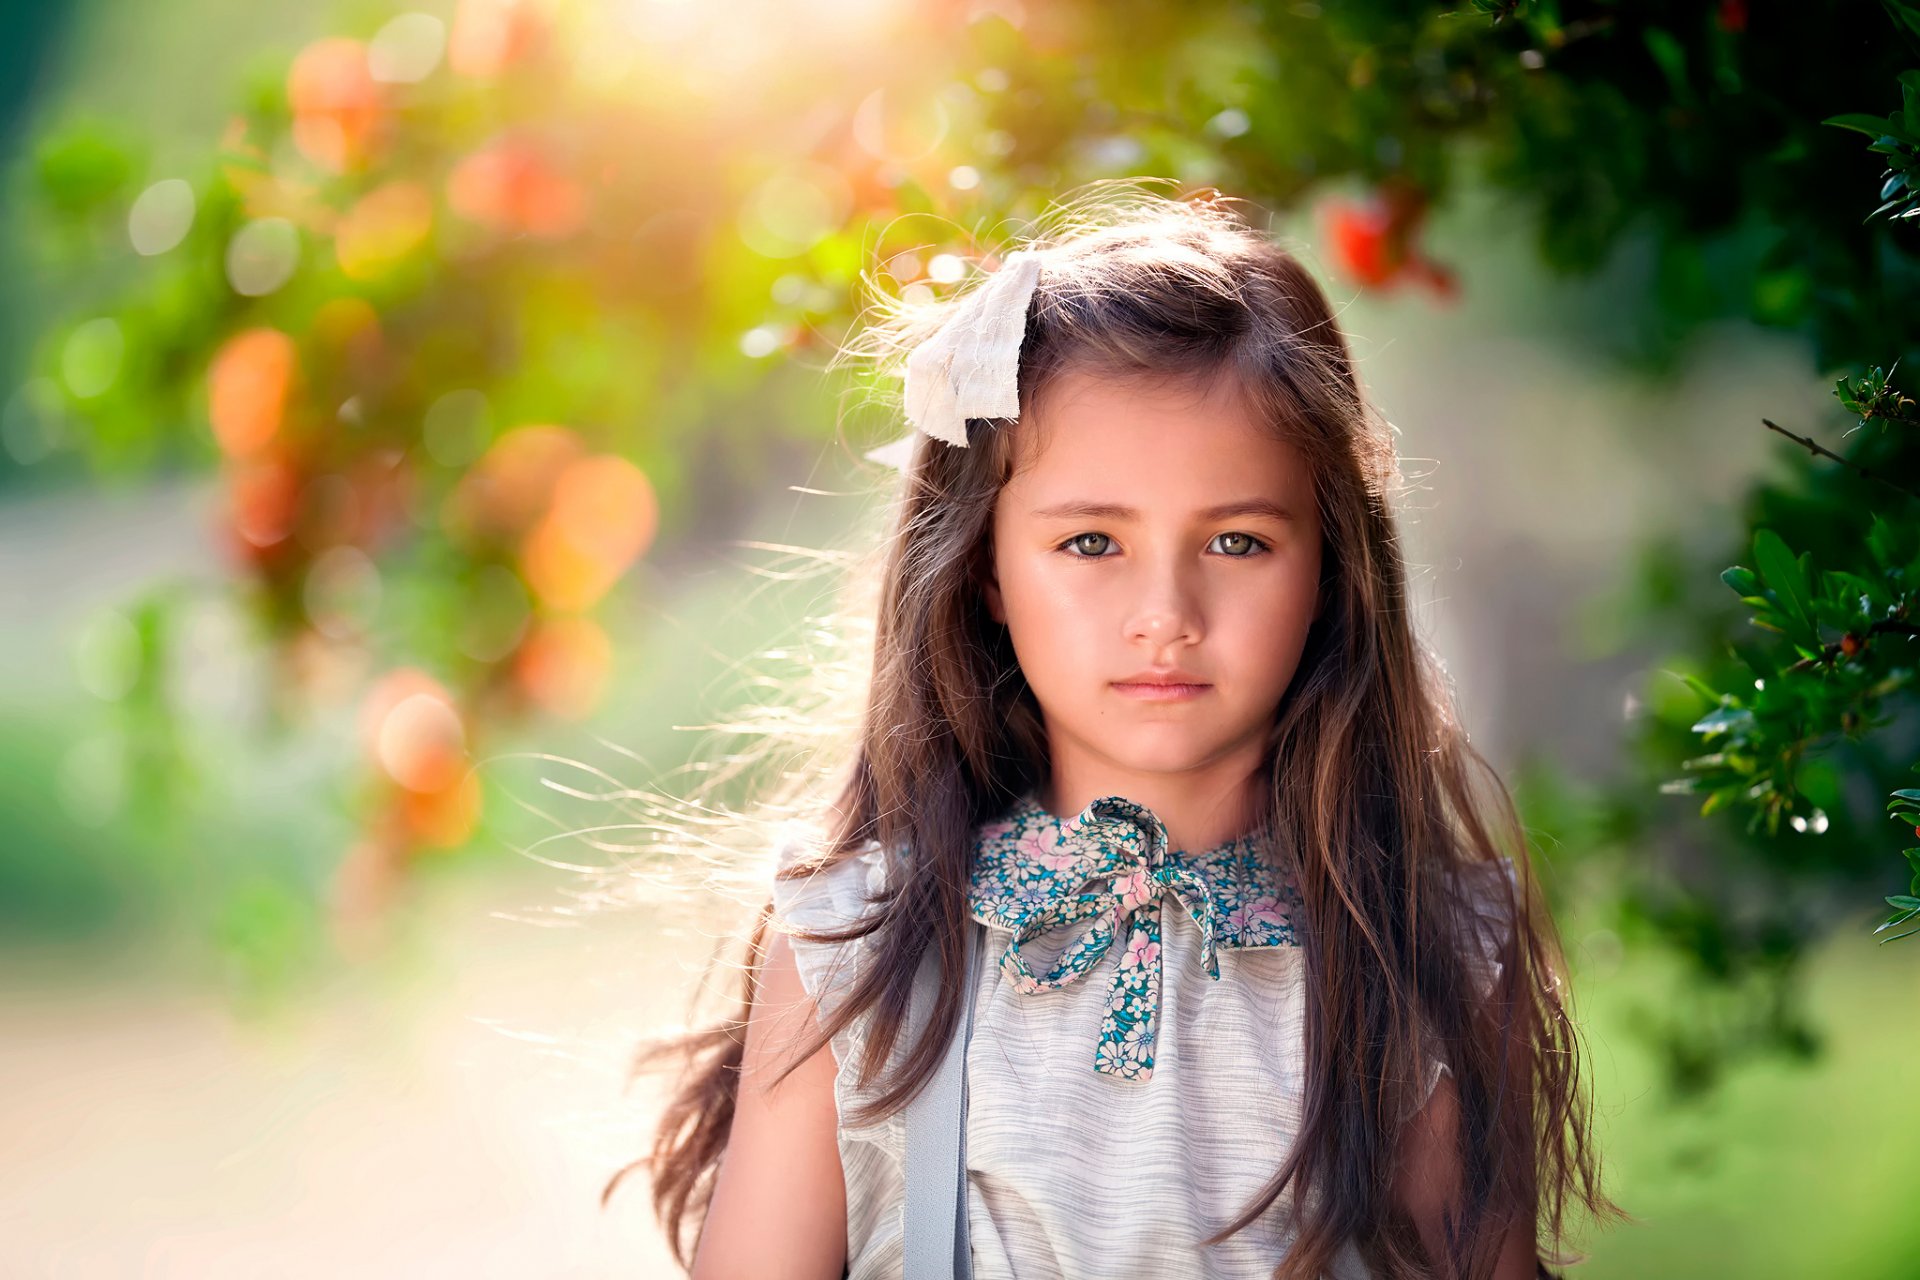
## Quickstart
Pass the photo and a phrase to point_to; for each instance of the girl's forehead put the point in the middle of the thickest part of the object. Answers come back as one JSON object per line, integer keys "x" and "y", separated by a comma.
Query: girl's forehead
{"x": 1136, "y": 440}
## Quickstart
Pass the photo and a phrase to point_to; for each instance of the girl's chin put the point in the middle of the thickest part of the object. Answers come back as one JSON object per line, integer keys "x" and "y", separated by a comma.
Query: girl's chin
{"x": 1182, "y": 756}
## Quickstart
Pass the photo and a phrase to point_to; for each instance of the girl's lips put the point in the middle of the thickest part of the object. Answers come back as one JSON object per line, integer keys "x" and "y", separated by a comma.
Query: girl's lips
{"x": 1160, "y": 692}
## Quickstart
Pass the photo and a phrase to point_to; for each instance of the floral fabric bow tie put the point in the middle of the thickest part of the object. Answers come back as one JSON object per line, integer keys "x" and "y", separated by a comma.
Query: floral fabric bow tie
{"x": 1105, "y": 870}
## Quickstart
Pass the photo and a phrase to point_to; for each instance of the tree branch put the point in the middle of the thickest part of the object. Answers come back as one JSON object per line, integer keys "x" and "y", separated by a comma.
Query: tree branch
{"x": 1816, "y": 447}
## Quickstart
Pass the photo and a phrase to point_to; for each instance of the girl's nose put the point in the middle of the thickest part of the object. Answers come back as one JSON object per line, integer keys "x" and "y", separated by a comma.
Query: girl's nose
{"x": 1168, "y": 612}
{"x": 1163, "y": 628}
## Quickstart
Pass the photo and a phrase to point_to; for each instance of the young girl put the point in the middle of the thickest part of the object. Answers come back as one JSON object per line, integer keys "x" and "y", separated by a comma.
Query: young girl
{"x": 1263, "y": 992}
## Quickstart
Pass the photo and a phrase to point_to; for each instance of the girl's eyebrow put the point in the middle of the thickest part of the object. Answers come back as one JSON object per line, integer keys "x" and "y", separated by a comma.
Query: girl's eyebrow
{"x": 1084, "y": 510}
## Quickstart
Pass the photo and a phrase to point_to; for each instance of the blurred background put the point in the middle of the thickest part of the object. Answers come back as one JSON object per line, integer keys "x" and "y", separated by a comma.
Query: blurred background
{"x": 413, "y": 420}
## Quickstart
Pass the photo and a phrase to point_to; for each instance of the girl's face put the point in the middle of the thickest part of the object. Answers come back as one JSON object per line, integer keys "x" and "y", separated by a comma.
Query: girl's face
{"x": 1159, "y": 534}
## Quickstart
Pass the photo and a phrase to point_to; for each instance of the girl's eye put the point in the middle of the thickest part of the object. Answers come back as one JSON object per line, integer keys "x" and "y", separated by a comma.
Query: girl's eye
{"x": 1092, "y": 546}
{"x": 1079, "y": 541}
{"x": 1253, "y": 545}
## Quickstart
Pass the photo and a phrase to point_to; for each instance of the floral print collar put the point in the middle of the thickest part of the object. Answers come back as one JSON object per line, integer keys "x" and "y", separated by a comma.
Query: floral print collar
{"x": 1106, "y": 870}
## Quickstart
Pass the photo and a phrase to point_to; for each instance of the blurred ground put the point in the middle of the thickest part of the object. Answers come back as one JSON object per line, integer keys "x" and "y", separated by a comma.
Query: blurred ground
{"x": 455, "y": 1116}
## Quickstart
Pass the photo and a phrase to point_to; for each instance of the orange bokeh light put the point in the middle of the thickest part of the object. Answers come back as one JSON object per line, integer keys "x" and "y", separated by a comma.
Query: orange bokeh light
{"x": 413, "y": 731}
{"x": 248, "y": 386}
{"x": 336, "y": 103}
{"x": 603, "y": 514}
{"x": 489, "y": 36}
{"x": 512, "y": 186}
{"x": 563, "y": 665}
{"x": 505, "y": 492}
{"x": 263, "y": 495}
{"x": 445, "y": 818}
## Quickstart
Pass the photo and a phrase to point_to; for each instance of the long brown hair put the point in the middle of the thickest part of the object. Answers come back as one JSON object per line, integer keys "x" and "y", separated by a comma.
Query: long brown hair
{"x": 1371, "y": 791}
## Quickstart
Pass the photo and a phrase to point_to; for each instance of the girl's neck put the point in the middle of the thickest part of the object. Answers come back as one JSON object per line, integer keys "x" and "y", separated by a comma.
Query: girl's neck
{"x": 1199, "y": 813}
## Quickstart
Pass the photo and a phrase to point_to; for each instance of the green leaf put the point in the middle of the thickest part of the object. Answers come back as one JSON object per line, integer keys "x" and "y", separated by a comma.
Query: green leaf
{"x": 1783, "y": 573}
{"x": 1756, "y": 658}
{"x": 1723, "y": 720}
{"x": 1704, "y": 689}
{"x": 1669, "y": 55}
{"x": 1742, "y": 580}
{"x": 1907, "y": 913}
{"x": 1859, "y": 122}
{"x": 1888, "y": 541}
{"x": 1852, "y": 592}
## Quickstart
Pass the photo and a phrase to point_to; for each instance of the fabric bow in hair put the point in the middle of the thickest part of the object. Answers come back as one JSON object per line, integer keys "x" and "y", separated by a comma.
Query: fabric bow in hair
{"x": 1109, "y": 868}
{"x": 970, "y": 366}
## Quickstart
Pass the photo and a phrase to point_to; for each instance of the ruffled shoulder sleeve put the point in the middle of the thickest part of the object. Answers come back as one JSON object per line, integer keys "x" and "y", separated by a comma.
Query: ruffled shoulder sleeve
{"x": 1490, "y": 896}
{"x": 829, "y": 896}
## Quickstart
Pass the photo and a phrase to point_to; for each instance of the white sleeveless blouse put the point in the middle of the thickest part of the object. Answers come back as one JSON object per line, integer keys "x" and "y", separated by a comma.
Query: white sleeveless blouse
{"x": 1123, "y": 1102}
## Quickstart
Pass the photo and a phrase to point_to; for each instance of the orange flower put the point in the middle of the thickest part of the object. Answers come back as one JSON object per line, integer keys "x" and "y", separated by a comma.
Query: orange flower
{"x": 1375, "y": 242}
{"x": 1362, "y": 242}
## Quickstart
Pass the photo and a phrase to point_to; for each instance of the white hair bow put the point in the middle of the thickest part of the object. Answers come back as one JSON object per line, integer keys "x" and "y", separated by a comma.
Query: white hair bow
{"x": 970, "y": 366}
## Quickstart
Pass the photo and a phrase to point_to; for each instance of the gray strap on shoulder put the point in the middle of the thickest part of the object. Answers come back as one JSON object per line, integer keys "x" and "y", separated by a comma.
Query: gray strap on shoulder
{"x": 936, "y": 1124}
